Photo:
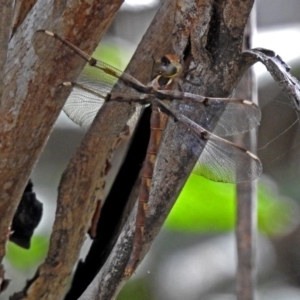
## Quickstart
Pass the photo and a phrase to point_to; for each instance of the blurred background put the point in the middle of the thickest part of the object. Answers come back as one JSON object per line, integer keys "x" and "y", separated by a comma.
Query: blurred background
{"x": 194, "y": 256}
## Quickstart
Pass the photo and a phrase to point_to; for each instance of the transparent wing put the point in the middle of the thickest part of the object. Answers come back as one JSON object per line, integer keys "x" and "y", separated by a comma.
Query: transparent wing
{"x": 94, "y": 84}
{"x": 88, "y": 96}
{"x": 92, "y": 89}
{"x": 231, "y": 116}
{"x": 220, "y": 159}
{"x": 226, "y": 162}
{"x": 83, "y": 104}
{"x": 238, "y": 116}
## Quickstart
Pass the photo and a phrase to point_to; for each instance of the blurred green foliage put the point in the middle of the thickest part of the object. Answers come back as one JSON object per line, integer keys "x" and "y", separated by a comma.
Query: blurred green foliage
{"x": 136, "y": 290}
{"x": 203, "y": 206}
{"x": 210, "y": 207}
{"x": 112, "y": 55}
{"x": 24, "y": 259}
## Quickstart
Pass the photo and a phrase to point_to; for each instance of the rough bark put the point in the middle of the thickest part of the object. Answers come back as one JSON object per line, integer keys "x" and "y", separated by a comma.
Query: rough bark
{"x": 6, "y": 9}
{"x": 30, "y": 102}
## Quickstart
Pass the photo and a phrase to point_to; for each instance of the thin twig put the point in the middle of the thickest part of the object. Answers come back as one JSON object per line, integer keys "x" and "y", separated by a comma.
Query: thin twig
{"x": 246, "y": 193}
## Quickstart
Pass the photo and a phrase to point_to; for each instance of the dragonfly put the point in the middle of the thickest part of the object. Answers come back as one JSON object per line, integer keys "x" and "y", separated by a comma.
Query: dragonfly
{"x": 221, "y": 160}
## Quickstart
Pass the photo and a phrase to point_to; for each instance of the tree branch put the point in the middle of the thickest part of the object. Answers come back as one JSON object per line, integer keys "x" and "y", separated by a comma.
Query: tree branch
{"x": 246, "y": 192}
{"x": 28, "y": 109}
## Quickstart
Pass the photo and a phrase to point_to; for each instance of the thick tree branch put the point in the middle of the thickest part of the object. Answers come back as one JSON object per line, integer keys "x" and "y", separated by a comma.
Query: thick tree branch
{"x": 29, "y": 108}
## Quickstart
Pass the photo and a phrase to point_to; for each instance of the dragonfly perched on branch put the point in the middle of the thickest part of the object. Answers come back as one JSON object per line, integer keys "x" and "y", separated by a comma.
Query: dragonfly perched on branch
{"x": 220, "y": 160}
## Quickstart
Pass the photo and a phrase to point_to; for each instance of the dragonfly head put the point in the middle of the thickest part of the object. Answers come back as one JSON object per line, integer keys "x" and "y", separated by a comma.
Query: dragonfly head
{"x": 168, "y": 66}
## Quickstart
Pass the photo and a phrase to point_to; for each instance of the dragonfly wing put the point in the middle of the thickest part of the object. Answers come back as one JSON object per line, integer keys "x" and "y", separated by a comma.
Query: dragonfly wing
{"x": 84, "y": 103}
{"x": 88, "y": 96}
{"x": 238, "y": 116}
{"x": 220, "y": 159}
{"x": 231, "y": 116}
{"x": 96, "y": 81}
{"x": 224, "y": 161}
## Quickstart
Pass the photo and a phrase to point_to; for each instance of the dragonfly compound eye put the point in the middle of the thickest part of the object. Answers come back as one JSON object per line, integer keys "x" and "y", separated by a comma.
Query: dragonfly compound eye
{"x": 205, "y": 135}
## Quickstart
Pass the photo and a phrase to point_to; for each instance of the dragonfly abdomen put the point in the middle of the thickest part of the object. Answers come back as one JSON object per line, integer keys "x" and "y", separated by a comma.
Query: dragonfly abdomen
{"x": 157, "y": 125}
